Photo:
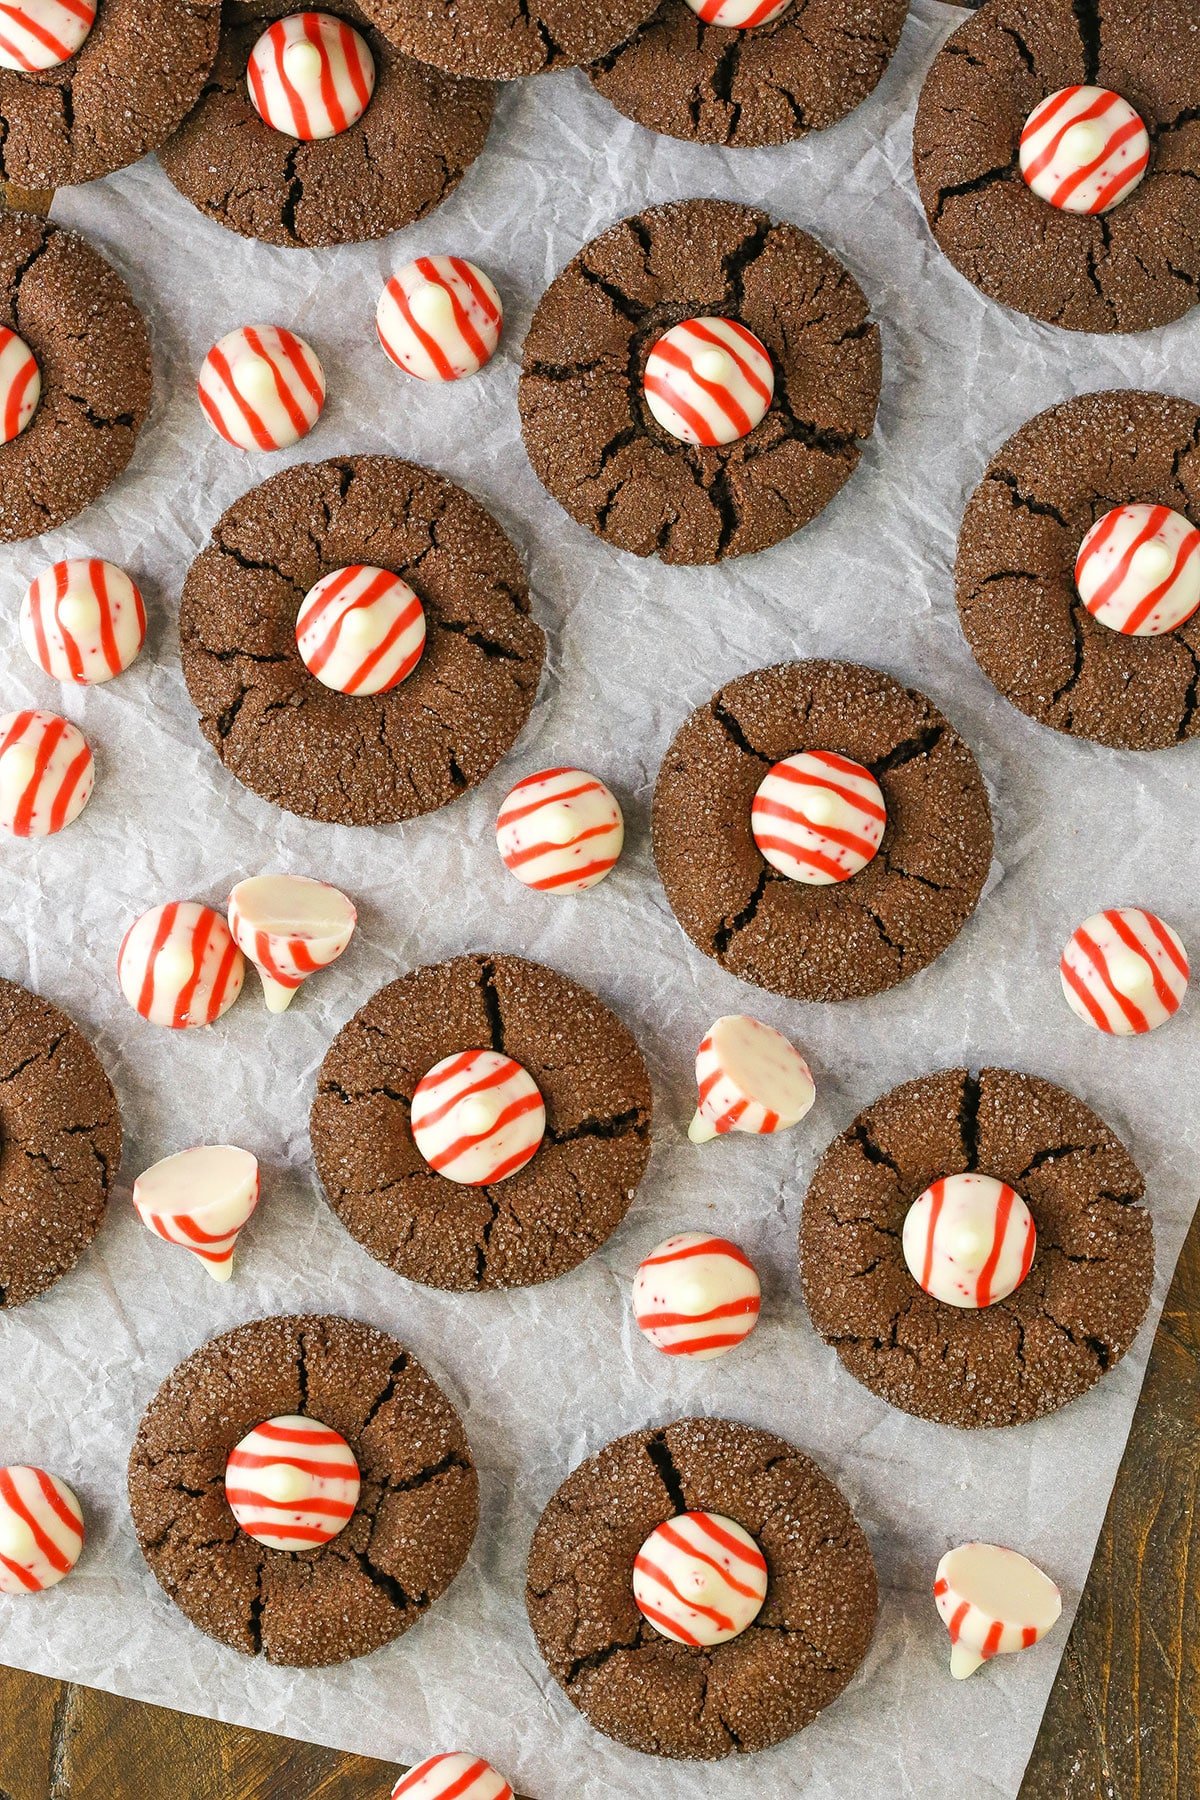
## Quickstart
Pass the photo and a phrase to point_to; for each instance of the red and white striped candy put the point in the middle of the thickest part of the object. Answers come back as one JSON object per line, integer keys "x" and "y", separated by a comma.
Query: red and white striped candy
{"x": 740, "y": 15}
{"x": 992, "y": 1601}
{"x": 41, "y": 34}
{"x": 292, "y": 1483}
{"x": 261, "y": 387}
{"x": 969, "y": 1240}
{"x": 709, "y": 381}
{"x": 560, "y": 831}
{"x": 41, "y": 1530}
{"x": 46, "y": 773}
{"x": 439, "y": 318}
{"x": 311, "y": 76}
{"x": 1084, "y": 149}
{"x": 83, "y": 621}
{"x": 200, "y": 1199}
{"x": 1138, "y": 570}
{"x": 20, "y": 385}
{"x": 700, "y": 1579}
{"x": 477, "y": 1117}
{"x": 361, "y": 630}
{"x": 289, "y": 927}
{"x": 818, "y": 817}
{"x": 178, "y": 965}
{"x": 455, "y": 1775}
{"x": 749, "y": 1078}
{"x": 1124, "y": 971}
{"x": 696, "y": 1295}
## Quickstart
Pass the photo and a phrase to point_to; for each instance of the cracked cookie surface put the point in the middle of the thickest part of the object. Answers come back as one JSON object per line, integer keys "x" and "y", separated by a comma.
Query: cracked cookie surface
{"x": 670, "y": 1699}
{"x": 502, "y": 39}
{"x": 598, "y": 449}
{"x": 139, "y": 71}
{"x": 410, "y": 1533}
{"x": 60, "y": 1144}
{"x": 358, "y": 759}
{"x": 1072, "y": 1318}
{"x": 853, "y": 937}
{"x": 1015, "y": 576}
{"x": 1126, "y": 270}
{"x": 411, "y": 148}
{"x": 91, "y": 344}
{"x": 713, "y": 84}
{"x": 551, "y": 1214}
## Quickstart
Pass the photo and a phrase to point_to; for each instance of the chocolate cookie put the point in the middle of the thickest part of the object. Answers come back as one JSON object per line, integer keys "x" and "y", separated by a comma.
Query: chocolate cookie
{"x": 501, "y": 39}
{"x": 589, "y": 431}
{"x": 534, "y": 1224}
{"x": 672, "y": 1699}
{"x": 410, "y": 1532}
{"x": 359, "y": 759}
{"x": 1020, "y": 609}
{"x": 77, "y": 317}
{"x": 856, "y": 936}
{"x": 138, "y": 72}
{"x": 716, "y": 84}
{"x": 1127, "y": 269}
{"x": 60, "y": 1144}
{"x": 419, "y": 135}
{"x": 1073, "y": 1316}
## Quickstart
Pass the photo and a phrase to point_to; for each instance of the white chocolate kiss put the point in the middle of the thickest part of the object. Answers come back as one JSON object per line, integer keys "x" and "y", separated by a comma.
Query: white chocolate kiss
{"x": 281, "y": 1481}
{"x": 431, "y": 306}
{"x": 1130, "y": 974}
{"x": 302, "y": 64}
{"x": 1082, "y": 143}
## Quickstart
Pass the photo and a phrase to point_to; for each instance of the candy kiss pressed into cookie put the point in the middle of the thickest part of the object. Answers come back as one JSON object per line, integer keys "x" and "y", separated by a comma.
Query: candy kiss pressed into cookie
{"x": 292, "y": 1483}
{"x": 454, "y": 1775}
{"x": 311, "y": 76}
{"x": 1125, "y": 971}
{"x": 477, "y": 1117}
{"x": 1084, "y": 149}
{"x": 289, "y": 927}
{"x": 740, "y": 15}
{"x": 709, "y": 381}
{"x": 361, "y": 630}
{"x": 179, "y": 966}
{"x": 1138, "y": 570}
{"x": 261, "y": 387}
{"x": 969, "y": 1240}
{"x": 20, "y": 384}
{"x": 560, "y": 831}
{"x": 700, "y": 1579}
{"x": 818, "y": 817}
{"x": 42, "y": 34}
{"x": 696, "y": 1295}
{"x": 439, "y": 318}
{"x": 46, "y": 773}
{"x": 83, "y": 621}
{"x": 748, "y": 1078}
{"x": 992, "y": 1601}
{"x": 200, "y": 1199}
{"x": 41, "y": 1530}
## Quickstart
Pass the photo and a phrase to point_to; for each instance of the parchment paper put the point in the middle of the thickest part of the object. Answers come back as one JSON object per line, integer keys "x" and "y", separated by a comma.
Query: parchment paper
{"x": 546, "y": 1376}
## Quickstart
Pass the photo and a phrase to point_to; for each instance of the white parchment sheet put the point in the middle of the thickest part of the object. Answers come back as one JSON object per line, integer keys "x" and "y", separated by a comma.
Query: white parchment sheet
{"x": 545, "y": 1377}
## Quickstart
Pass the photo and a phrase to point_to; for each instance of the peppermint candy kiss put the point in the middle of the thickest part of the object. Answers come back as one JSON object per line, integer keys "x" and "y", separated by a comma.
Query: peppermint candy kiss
{"x": 1125, "y": 971}
{"x": 178, "y": 965}
{"x": 818, "y": 817}
{"x": 454, "y": 1775}
{"x": 46, "y": 774}
{"x": 992, "y": 1601}
{"x": 560, "y": 831}
{"x": 292, "y": 1483}
{"x": 20, "y": 384}
{"x": 41, "y": 1530}
{"x": 439, "y": 318}
{"x": 290, "y": 928}
{"x": 200, "y": 1199}
{"x": 41, "y": 34}
{"x": 700, "y": 1579}
{"x": 477, "y": 1117}
{"x": 709, "y": 381}
{"x": 311, "y": 76}
{"x": 1138, "y": 570}
{"x": 969, "y": 1240}
{"x": 748, "y": 1078}
{"x": 741, "y": 15}
{"x": 1084, "y": 149}
{"x": 83, "y": 621}
{"x": 696, "y": 1295}
{"x": 361, "y": 630}
{"x": 261, "y": 387}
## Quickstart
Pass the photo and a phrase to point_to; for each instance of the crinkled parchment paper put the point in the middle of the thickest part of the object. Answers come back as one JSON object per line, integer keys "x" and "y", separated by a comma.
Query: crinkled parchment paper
{"x": 547, "y": 1376}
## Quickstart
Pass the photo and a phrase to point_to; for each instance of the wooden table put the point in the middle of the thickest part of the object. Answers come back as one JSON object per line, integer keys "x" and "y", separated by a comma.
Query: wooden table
{"x": 1123, "y": 1721}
